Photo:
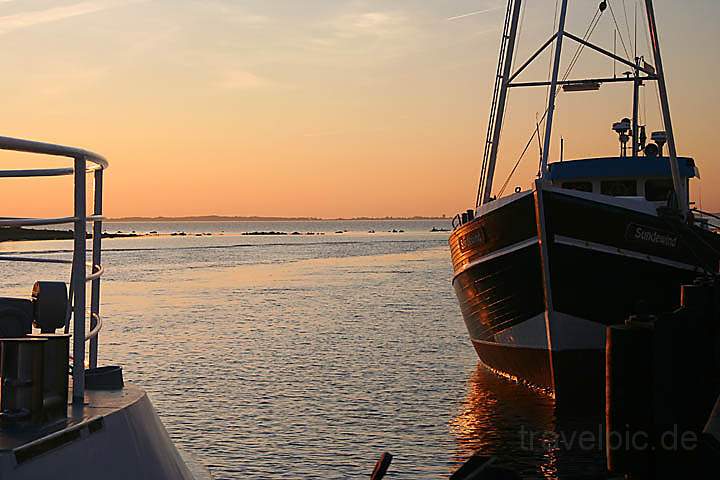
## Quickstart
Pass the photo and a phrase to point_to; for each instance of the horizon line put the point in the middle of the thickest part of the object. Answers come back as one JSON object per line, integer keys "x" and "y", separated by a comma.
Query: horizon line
{"x": 260, "y": 218}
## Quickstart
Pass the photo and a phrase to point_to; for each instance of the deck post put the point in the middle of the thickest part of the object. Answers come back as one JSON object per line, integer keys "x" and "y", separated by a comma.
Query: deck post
{"x": 553, "y": 89}
{"x": 96, "y": 265}
{"x": 79, "y": 260}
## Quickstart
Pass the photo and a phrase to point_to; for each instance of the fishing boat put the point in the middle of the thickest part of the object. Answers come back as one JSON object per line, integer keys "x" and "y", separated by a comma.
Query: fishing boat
{"x": 59, "y": 419}
{"x": 540, "y": 273}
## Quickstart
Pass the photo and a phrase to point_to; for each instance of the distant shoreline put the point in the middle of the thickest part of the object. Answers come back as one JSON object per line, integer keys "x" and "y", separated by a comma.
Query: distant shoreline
{"x": 221, "y": 218}
{"x": 21, "y": 234}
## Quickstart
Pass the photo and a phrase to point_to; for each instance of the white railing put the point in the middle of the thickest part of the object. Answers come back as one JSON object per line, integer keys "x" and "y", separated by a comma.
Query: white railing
{"x": 84, "y": 162}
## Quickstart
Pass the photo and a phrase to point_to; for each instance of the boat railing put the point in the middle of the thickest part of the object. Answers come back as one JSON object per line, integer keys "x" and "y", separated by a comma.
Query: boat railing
{"x": 710, "y": 221}
{"x": 84, "y": 270}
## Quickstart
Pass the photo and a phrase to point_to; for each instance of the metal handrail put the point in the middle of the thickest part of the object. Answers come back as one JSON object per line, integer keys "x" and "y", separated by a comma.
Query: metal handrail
{"x": 31, "y": 146}
{"x": 97, "y": 270}
{"x": 97, "y": 273}
{"x": 35, "y": 222}
{"x": 84, "y": 162}
{"x": 8, "y": 258}
{"x": 44, "y": 172}
{"x": 96, "y": 329}
{"x": 37, "y": 172}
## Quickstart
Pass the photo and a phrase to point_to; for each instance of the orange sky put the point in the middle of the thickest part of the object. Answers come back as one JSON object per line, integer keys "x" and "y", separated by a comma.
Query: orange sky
{"x": 318, "y": 108}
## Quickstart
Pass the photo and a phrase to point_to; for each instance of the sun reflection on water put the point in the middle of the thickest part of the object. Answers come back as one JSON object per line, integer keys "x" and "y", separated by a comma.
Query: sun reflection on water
{"x": 523, "y": 429}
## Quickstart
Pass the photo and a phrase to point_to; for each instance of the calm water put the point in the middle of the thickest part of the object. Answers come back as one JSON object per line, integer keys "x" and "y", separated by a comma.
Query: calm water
{"x": 307, "y": 356}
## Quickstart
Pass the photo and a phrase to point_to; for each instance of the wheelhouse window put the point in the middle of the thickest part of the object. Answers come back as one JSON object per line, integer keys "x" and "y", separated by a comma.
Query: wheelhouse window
{"x": 582, "y": 186}
{"x": 658, "y": 190}
{"x": 619, "y": 188}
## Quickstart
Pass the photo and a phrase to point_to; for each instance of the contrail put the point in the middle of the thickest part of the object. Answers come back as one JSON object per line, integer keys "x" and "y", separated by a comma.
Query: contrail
{"x": 9, "y": 23}
{"x": 478, "y": 12}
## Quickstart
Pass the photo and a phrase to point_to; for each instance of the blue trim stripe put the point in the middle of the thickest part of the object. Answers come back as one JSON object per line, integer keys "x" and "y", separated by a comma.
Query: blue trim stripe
{"x": 617, "y": 167}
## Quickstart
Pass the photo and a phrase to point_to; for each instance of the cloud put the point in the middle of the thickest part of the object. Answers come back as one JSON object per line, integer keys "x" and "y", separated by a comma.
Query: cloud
{"x": 18, "y": 21}
{"x": 472, "y": 14}
{"x": 375, "y": 24}
{"x": 232, "y": 12}
{"x": 244, "y": 80}
{"x": 368, "y": 36}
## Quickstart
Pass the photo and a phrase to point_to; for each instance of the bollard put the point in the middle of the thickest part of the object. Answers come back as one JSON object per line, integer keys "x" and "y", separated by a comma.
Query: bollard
{"x": 628, "y": 397}
{"x": 687, "y": 388}
{"x": 21, "y": 375}
{"x": 662, "y": 381}
{"x": 56, "y": 364}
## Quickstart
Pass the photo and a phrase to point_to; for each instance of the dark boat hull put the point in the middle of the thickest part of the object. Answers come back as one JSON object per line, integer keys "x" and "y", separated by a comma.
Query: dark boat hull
{"x": 540, "y": 275}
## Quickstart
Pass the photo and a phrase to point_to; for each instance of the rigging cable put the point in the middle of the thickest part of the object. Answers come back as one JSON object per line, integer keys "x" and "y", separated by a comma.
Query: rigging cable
{"x": 655, "y": 85}
{"x": 588, "y": 33}
{"x": 627, "y": 25}
{"x": 678, "y": 226}
{"x": 576, "y": 56}
{"x": 552, "y": 52}
{"x": 550, "y": 62}
{"x": 617, "y": 27}
{"x": 537, "y": 131}
{"x": 518, "y": 37}
{"x": 706, "y": 213}
{"x": 512, "y": 65}
{"x": 527, "y": 147}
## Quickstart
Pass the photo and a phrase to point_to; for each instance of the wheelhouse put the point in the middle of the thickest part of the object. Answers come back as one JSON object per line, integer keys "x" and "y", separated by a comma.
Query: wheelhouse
{"x": 648, "y": 178}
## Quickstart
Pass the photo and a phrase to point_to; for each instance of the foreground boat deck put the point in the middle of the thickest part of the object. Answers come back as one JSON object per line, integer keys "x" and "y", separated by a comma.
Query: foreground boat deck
{"x": 114, "y": 435}
{"x": 86, "y": 419}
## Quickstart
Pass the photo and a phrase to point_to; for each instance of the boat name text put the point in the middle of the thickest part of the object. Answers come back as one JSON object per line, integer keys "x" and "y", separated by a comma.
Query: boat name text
{"x": 472, "y": 239}
{"x": 641, "y": 233}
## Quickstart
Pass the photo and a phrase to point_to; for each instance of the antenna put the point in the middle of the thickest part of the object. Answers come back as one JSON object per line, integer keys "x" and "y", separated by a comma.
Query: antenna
{"x": 660, "y": 138}
{"x": 637, "y": 83}
{"x": 636, "y": 22}
{"x": 614, "y": 53}
{"x": 623, "y": 128}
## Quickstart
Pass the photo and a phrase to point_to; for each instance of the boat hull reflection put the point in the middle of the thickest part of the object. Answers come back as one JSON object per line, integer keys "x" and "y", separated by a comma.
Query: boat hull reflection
{"x": 526, "y": 431}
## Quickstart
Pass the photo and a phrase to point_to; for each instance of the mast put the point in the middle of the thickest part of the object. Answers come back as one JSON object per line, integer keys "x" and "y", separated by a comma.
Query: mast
{"x": 636, "y": 100}
{"x": 553, "y": 89}
{"x": 505, "y": 79}
{"x": 678, "y": 186}
{"x": 499, "y": 108}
